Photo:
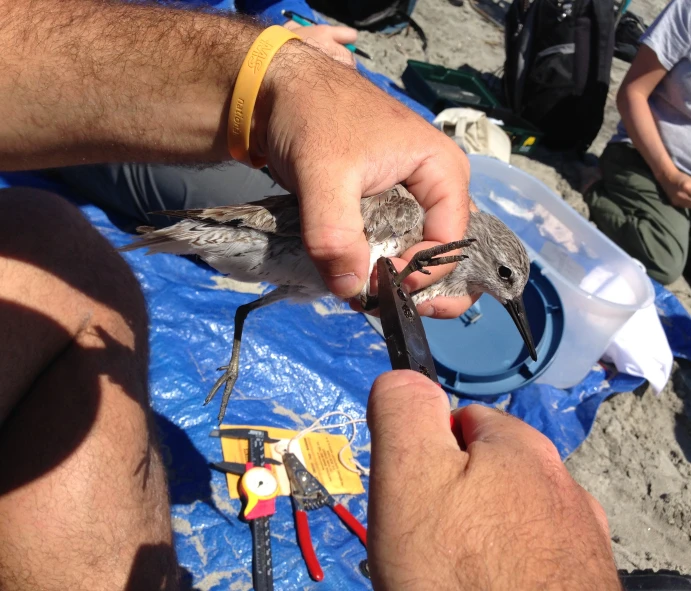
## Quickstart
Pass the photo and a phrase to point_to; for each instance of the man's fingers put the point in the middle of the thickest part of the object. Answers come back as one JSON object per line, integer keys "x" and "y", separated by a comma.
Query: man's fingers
{"x": 330, "y": 40}
{"x": 292, "y": 25}
{"x": 335, "y": 51}
{"x": 440, "y": 184}
{"x": 343, "y": 35}
{"x": 442, "y": 308}
{"x": 332, "y": 232}
{"x": 447, "y": 308}
{"x": 504, "y": 432}
{"x": 418, "y": 281}
{"x": 439, "y": 307}
{"x": 415, "y": 459}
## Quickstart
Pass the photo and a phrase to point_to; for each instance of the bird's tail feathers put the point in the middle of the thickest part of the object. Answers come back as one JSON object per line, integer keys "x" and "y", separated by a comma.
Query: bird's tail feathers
{"x": 157, "y": 241}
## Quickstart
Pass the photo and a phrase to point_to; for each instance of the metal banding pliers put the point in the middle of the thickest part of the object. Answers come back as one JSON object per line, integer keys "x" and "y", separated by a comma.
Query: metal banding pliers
{"x": 401, "y": 324}
{"x": 403, "y": 331}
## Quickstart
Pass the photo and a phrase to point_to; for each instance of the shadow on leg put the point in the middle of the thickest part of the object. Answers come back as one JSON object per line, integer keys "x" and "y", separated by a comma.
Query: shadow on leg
{"x": 232, "y": 370}
{"x": 76, "y": 509}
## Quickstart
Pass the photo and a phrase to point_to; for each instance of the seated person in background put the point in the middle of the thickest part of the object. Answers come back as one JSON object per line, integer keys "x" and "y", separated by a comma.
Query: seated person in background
{"x": 135, "y": 189}
{"x": 642, "y": 200}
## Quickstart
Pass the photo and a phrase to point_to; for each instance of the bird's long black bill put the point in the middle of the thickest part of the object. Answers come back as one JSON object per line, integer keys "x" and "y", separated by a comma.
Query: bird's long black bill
{"x": 516, "y": 309}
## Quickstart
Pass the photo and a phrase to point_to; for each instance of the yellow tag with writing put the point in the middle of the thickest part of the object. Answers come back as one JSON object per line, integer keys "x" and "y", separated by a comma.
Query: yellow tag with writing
{"x": 317, "y": 451}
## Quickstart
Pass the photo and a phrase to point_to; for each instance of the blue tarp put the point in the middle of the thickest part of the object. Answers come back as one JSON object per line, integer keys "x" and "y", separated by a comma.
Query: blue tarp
{"x": 298, "y": 362}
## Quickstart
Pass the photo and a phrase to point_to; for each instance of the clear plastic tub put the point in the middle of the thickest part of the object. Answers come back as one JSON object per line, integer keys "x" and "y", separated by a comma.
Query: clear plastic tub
{"x": 599, "y": 284}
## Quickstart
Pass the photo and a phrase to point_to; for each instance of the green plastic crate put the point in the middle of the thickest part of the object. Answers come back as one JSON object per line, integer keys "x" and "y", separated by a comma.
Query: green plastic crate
{"x": 524, "y": 135}
{"x": 439, "y": 88}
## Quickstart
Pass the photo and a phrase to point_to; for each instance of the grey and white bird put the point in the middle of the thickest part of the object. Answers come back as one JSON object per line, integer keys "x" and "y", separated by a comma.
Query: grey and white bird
{"x": 261, "y": 242}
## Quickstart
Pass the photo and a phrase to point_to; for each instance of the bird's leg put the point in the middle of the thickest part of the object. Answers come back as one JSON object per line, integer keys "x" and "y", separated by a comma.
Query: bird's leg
{"x": 420, "y": 260}
{"x": 424, "y": 258}
{"x": 367, "y": 301}
{"x": 233, "y": 368}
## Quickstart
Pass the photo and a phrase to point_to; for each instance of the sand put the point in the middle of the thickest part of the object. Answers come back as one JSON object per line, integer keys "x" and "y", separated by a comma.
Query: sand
{"x": 636, "y": 460}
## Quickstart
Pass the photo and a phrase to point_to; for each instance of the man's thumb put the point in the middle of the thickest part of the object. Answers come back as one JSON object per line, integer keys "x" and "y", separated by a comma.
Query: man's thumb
{"x": 406, "y": 410}
{"x": 332, "y": 232}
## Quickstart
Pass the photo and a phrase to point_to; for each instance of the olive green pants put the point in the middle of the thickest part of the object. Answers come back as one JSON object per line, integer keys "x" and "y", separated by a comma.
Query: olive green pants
{"x": 631, "y": 208}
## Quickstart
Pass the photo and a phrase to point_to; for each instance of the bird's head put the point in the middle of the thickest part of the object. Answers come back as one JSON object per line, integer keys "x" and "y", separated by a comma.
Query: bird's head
{"x": 498, "y": 264}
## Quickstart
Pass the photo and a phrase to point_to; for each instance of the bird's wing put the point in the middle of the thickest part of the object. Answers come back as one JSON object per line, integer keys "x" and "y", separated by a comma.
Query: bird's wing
{"x": 241, "y": 253}
{"x": 392, "y": 214}
{"x": 278, "y": 215}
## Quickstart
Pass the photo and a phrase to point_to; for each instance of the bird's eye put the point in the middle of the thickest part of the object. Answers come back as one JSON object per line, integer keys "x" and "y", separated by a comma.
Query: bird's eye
{"x": 504, "y": 272}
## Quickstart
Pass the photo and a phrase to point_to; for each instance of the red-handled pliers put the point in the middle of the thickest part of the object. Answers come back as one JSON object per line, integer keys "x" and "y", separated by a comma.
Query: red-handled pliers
{"x": 307, "y": 494}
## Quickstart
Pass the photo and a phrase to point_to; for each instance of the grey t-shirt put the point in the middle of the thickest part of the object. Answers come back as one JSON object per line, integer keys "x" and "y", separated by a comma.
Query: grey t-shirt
{"x": 670, "y": 38}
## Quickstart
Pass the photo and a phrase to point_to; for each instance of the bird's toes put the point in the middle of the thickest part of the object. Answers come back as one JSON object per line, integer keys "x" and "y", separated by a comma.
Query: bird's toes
{"x": 210, "y": 395}
{"x": 420, "y": 263}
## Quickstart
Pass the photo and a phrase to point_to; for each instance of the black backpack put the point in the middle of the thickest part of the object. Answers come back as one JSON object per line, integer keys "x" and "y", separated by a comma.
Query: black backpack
{"x": 557, "y": 67}
{"x": 375, "y": 15}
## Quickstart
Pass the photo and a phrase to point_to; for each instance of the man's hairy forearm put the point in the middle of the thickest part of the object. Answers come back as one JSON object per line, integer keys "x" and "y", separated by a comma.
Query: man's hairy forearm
{"x": 94, "y": 81}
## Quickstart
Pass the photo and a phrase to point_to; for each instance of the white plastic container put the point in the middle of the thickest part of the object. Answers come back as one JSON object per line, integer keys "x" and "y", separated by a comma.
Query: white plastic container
{"x": 600, "y": 285}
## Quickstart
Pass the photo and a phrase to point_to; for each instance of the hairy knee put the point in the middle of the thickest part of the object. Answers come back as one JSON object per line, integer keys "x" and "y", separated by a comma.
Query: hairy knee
{"x": 25, "y": 209}
{"x": 44, "y": 231}
{"x": 61, "y": 283}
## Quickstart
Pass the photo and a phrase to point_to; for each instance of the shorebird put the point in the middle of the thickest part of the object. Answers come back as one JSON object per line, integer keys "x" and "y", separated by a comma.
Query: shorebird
{"x": 260, "y": 242}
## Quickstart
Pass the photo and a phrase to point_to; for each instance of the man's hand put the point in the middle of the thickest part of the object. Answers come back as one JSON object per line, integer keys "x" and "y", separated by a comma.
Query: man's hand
{"x": 332, "y": 137}
{"x": 87, "y": 81}
{"x": 503, "y": 514}
{"x": 677, "y": 186}
{"x": 331, "y": 40}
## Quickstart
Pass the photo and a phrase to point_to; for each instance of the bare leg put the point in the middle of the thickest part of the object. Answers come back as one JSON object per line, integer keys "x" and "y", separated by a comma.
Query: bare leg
{"x": 232, "y": 370}
{"x": 83, "y": 497}
{"x": 420, "y": 260}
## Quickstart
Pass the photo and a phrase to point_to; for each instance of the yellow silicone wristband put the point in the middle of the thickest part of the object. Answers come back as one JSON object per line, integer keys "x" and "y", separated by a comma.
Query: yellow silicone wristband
{"x": 247, "y": 85}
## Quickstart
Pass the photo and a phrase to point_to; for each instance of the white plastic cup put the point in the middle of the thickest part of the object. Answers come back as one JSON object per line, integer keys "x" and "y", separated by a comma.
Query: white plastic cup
{"x": 600, "y": 285}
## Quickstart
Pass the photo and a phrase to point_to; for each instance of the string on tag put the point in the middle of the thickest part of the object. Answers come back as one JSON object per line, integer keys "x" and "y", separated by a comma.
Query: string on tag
{"x": 318, "y": 426}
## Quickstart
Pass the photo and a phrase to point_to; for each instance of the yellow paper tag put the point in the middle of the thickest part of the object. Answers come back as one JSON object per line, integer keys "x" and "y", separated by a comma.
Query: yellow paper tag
{"x": 317, "y": 451}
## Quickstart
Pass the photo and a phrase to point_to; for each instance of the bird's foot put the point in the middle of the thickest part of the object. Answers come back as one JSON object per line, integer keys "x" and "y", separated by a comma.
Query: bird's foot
{"x": 227, "y": 380}
{"x": 369, "y": 302}
{"x": 425, "y": 258}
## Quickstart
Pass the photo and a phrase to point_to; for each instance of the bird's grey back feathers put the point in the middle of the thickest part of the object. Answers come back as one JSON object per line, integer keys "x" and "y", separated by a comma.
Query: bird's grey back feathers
{"x": 260, "y": 241}
{"x": 393, "y": 213}
{"x": 278, "y": 215}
